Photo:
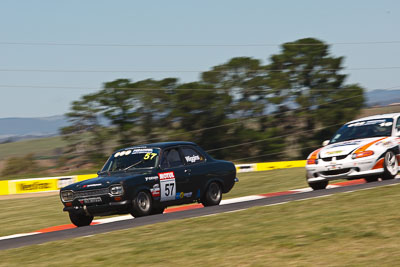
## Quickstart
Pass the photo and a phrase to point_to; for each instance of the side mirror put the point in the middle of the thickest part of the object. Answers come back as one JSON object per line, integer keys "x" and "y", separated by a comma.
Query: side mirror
{"x": 398, "y": 133}
{"x": 325, "y": 143}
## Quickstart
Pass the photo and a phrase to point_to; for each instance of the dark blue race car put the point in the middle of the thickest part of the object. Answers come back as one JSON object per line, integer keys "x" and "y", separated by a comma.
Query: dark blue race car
{"x": 144, "y": 180}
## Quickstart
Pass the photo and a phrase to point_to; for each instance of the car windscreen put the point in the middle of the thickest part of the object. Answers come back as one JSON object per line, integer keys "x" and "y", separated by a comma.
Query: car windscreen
{"x": 363, "y": 129}
{"x": 135, "y": 158}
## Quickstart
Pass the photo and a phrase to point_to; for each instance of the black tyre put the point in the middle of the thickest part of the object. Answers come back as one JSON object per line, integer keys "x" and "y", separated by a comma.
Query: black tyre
{"x": 318, "y": 185}
{"x": 213, "y": 195}
{"x": 79, "y": 219}
{"x": 142, "y": 204}
{"x": 371, "y": 179}
{"x": 390, "y": 166}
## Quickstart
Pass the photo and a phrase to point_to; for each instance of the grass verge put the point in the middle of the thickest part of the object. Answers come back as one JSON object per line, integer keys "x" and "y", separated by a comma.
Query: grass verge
{"x": 358, "y": 229}
{"x": 41, "y": 146}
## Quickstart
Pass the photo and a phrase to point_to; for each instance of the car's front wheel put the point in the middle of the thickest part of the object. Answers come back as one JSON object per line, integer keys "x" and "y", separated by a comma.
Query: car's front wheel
{"x": 371, "y": 179}
{"x": 79, "y": 219}
{"x": 141, "y": 204}
{"x": 318, "y": 185}
{"x": 390, "y": 166}
{"x": 213, "y": 195}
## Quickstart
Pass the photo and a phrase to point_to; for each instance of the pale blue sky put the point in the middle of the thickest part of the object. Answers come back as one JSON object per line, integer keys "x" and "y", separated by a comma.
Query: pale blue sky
{"x": 176, "y": 22}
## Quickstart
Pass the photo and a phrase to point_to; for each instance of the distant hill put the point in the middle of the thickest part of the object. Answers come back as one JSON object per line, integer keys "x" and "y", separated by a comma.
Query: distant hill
{"x": 382, "y": 97}
{"x": 13, "y": 129}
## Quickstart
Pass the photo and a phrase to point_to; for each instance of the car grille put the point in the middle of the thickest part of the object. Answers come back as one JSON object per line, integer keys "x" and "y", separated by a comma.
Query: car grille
{"x": 336, "y": 172}
{"x": 337, "y": 158}
{"x": 91, "y": 193}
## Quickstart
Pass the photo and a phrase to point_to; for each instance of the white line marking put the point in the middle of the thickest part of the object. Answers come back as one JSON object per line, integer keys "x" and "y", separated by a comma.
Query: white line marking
{"x": 333, "y": 186}
{"x": 302, "y": 190}
{"x": 231, "y": 211}
{"x": 114, "y": 219}
{"x": 240, "y": 199}
{"x": 18, "y": 235}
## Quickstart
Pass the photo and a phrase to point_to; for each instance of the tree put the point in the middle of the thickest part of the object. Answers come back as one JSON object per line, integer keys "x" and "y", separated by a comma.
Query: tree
{"x": 120, "y": 106}
{"x": 154, "y": 98}
{"x": 255, "y": 110}
{"x": 85, "y": 135}
{"x": 306, "y": 79}
{"x": 244, "y": 79}
{"x": 197, "y": 109}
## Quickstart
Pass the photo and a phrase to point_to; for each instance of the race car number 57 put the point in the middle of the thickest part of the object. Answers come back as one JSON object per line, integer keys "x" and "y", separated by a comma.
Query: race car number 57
{"x": 168, "y": 186}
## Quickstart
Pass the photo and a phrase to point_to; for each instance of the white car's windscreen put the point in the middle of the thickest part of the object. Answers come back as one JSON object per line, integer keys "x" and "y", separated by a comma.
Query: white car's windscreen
{"x": 363, "y": 129}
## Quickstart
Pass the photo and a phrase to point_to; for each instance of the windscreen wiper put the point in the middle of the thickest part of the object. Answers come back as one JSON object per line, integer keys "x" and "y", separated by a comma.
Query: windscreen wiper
{"x": 133, "y": 165}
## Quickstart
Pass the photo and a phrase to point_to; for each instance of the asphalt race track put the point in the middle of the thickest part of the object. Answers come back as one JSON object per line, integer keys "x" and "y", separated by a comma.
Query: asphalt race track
{"x": 126, "y": 224}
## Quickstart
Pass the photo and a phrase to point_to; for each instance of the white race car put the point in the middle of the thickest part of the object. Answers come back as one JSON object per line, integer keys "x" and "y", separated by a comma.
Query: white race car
{"x": 367, "y": 148}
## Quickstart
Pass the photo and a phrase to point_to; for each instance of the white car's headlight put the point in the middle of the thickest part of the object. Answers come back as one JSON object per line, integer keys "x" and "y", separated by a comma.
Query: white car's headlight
{"x": 116, "y": 190}
{"x": 67, "y": 196}
{"x": 362, "y": 154}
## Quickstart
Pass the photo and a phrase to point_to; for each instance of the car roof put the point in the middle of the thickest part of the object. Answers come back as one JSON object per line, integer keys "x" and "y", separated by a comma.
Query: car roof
{"x": 160, "y": 145}
{"x": 376, "y": 117}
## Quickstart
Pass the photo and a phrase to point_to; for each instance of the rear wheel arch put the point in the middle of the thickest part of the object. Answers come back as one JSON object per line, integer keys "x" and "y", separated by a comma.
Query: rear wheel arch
{"x": 212, "y": 194}
{"x": 216, "y": 180}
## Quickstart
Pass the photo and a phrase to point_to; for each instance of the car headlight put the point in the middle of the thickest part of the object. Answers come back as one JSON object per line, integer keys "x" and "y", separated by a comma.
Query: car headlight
{"x": 362, "y": 154}
{"x": 116, "y": 190}
{"x": 312, "y": 161}
{"x": 67, "y": 196}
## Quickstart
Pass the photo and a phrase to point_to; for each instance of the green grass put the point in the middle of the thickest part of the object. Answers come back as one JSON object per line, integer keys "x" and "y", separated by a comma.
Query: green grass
{"x": 30, "y": 214}
{"x": 379, "y": 110}
{"x": 39, "y": 147}
{"x": 251, "y": 183}
{"x": 349, "y": 229}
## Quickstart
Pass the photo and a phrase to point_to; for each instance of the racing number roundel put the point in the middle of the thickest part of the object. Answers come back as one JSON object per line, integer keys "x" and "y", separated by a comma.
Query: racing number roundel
{"x": 168, "y": 186}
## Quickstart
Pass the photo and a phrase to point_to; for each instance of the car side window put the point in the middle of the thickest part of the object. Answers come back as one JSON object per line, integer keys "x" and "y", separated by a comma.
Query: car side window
{"x": 164, "y": 162}
{"x": 171, "y": 159}
{"x": 398, "y": 125}
{"x": 192, "y": 156}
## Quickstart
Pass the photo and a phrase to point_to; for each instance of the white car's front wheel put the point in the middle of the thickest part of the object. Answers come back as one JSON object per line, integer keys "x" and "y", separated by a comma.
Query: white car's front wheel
{"x": 390, "y": 166}
{"x": 318, "y": 185}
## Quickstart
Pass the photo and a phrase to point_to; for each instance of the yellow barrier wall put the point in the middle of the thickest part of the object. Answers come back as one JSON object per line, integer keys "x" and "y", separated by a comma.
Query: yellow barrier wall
{"x": 266, "y": 166}
{"x": 245, "y": 167}
{"x": 3, "y": 188}
{"x": 32, "y": 185}
{"x": 85, "y": 177}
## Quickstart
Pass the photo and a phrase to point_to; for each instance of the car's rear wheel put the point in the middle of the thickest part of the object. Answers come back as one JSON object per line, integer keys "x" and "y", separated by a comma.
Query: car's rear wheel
{"x": 213, "y": 195}
{"x": 390, "y": 166}
{"x": 141, "y": 204}
{"x": 79, "y": 219}
{"x": 318, "y": 185}
{"x": 371, "y": 179}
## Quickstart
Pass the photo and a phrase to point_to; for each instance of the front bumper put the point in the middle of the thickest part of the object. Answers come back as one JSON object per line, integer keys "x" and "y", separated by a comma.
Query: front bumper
{"x": 101, "y": 209}
{"x": 343, "y": 169}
